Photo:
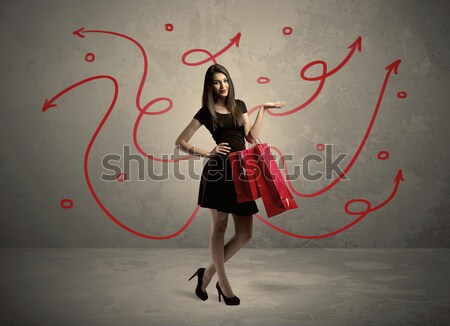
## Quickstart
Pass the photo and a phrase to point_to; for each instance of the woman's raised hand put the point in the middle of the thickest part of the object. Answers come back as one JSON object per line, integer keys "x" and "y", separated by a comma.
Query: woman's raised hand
{"x": 274, "y": 105}
{"x": 221, "y": 148}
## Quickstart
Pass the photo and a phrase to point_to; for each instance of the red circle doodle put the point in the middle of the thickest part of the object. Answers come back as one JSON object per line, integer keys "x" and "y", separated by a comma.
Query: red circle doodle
{"x": 319, "y": 147}
{"x": 122, "y": 176}
{"x": 89, "y": 57}
{"x": 383, "y": 155}
{"x": 287, "y": 30}
{"x": 66, "y": 203}
{"x": 263, "y": 80}
{"x": 402, "y": 94}
{"x": 355, "y": 200}
{"x": 168, "y": 27}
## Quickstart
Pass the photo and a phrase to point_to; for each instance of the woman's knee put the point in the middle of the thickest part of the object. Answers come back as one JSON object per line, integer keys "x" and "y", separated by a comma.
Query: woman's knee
{"x": 219, "y": 223}
{"x": 244, "y": 237}
{"x": 219, "y": 229}
{"x": 243, "y": 228}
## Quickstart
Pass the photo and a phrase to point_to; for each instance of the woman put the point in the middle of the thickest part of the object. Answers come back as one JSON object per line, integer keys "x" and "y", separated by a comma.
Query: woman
{"x": 227, "y": 120}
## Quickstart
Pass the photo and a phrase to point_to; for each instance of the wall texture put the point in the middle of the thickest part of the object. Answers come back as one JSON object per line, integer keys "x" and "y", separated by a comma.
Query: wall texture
{"x": 130, "y": 53}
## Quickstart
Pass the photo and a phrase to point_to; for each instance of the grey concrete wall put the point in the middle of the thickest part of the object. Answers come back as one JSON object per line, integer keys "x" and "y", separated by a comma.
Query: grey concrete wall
{"x": 42, "y": 153}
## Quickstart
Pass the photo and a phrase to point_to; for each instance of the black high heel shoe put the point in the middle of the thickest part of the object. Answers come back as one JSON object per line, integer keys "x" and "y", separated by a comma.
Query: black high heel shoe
{"x": 234, "y": 301}
{"x": 198, "y": 289}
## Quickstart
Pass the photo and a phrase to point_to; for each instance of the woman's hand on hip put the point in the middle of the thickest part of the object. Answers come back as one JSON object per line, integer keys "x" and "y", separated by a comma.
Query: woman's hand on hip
{"x": 221, "y": 148}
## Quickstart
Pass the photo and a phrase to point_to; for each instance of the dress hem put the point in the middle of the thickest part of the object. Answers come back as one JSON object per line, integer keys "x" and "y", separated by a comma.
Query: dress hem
{"x": 222, "y": 210}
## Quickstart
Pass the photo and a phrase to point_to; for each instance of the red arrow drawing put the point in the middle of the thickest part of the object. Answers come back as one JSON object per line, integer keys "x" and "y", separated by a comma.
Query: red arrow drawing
{"x": 362, "y": 214}
{"x": 211, "y": 57}
{"x": 392, "y": 68}
{"x": 48, "y": 104}
{"x": 143, "y": 109}
{"x": 321, "y": 77}
{"x": 355, "y": 46}
{"x": 79, "y": 32}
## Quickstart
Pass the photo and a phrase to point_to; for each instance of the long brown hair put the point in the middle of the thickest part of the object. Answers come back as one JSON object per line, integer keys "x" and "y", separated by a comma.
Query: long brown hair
{"x": 230, "y": 101}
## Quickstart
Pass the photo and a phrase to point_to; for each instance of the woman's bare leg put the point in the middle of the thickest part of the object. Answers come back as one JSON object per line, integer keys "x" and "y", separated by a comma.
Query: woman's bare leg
{"x": 243, "y": 229}
{"x": 216, "y": 245}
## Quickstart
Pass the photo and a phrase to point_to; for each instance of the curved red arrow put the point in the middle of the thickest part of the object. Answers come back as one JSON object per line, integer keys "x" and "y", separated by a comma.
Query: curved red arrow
{"x": 211, "y": 57}
{"x": 48, "y": 104}
{"x": 355, "y": 46}
{"x": 142, "y": 109}
{"x": 397, "y": 179}
{"x": 393, "y": 67}
{"x": 362, "y": 214}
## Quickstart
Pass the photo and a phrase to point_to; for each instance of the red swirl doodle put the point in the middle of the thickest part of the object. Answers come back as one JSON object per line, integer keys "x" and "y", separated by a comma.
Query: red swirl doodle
{"x": 66, "y": 203}
{"x": 143, "y": 110}
{"x": 320, "y": 147}
{"x": 392, "y": 68}
{"x": 362, "y": 214}
{"x": 50, "y": 103}
{"x": 211, "y": 57}
{"x": 321, "y": 77}
{"x": 263, "y": 80}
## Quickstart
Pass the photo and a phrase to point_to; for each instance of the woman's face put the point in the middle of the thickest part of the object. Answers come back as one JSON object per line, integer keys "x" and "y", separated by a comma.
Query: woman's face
{"x": 220, "y": 85}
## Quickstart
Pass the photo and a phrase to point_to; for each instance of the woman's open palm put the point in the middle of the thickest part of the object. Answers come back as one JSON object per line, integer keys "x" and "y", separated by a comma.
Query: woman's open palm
{"x": 274, "y": 105}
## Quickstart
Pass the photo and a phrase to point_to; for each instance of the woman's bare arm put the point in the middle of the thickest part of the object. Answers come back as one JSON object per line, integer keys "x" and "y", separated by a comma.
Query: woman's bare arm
{"x": 183, "y": 142}
{"x": 256, "y": 128}
{"x": 185, "y": 136}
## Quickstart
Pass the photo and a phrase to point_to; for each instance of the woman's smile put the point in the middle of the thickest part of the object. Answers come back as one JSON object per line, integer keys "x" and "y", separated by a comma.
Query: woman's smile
{"x": 220, "y": 84}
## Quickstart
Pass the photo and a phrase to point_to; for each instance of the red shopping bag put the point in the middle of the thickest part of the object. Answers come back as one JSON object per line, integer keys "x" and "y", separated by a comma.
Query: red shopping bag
{"x": 274, "y": 192}
{"x": 244, "y": 168}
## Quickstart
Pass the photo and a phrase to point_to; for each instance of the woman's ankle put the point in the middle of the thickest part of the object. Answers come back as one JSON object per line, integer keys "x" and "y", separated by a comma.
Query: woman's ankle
{"x": 210, "y": 271}
{"x": 226, "y": 288}
{"x": 206, "y": 278}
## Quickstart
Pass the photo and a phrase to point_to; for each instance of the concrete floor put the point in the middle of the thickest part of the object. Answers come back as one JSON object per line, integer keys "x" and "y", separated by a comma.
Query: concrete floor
{"x": 276, "y": 286}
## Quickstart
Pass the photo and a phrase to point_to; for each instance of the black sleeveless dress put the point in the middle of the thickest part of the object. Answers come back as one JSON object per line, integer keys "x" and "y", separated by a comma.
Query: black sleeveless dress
{"x": 216, "y": 185}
